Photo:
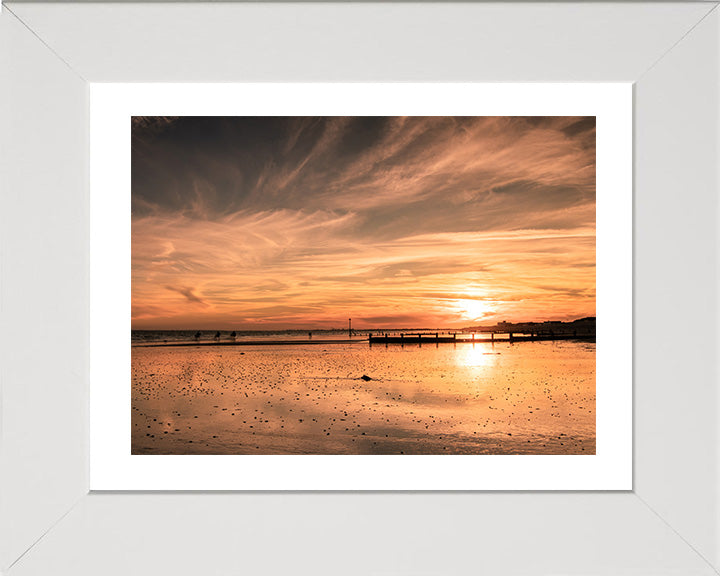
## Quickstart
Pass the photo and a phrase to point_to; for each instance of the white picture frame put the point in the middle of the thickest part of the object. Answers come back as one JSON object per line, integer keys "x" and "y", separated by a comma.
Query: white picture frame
{"x": 50, "y": 523}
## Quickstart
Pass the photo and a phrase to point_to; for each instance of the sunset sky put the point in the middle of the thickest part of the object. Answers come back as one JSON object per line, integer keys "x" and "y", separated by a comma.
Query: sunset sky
{"x": 277, "y": 223}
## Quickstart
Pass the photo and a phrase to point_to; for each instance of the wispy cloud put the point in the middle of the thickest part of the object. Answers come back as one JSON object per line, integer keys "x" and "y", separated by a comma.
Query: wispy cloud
{"x": 308, "y": 221}
{"x": 188, "y": 293}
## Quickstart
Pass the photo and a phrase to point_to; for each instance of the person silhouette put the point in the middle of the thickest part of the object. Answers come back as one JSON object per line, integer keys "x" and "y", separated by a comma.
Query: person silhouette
{"x": 197, "y": 335}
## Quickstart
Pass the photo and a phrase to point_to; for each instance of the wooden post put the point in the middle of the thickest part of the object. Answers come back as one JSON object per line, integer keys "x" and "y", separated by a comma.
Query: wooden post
{"x": 492, "y": 336}
{"x": 511, "y": 336}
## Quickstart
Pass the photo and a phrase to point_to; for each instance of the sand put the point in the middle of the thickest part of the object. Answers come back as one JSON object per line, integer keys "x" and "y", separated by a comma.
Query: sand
{"x": 526, "y": 398}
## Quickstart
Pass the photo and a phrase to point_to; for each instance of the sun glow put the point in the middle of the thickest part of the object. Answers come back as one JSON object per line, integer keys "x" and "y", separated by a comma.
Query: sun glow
{"x": 476, "y": 356}
{"x": 473, "y": 309}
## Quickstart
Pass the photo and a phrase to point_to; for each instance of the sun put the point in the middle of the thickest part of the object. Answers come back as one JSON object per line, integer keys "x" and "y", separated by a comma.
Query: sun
{"x": 473, "y": 309}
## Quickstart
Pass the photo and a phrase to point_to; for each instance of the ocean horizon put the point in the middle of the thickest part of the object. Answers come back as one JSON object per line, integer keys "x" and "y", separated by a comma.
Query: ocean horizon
{"x": 148, "y": 336}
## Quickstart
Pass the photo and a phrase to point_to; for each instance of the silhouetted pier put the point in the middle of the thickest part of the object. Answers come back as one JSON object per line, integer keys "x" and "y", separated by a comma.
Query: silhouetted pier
{"x": 455, "y": 338}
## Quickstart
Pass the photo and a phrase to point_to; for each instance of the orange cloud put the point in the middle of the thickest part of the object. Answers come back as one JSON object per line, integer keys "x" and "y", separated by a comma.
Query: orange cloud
{"x": 410, "y": 222}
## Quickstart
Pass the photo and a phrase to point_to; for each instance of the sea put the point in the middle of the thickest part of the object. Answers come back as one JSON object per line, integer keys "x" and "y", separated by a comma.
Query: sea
{"x": 176, "y": 336}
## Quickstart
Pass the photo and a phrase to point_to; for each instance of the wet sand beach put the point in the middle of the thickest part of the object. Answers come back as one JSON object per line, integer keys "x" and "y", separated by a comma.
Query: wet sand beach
{"x": 527, "y": 398}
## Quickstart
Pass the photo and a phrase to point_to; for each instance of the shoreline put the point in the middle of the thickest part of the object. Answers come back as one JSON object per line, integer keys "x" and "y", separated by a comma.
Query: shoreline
{"x": 244, "y": 343}
{"x": 375, "y": 340}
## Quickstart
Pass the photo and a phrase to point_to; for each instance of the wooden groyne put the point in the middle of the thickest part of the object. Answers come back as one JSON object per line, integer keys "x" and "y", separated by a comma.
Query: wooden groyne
{"x": 437, "y": 338}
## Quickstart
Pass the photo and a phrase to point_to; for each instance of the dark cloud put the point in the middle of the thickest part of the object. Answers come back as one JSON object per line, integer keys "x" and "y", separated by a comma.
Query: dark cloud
{"x": 188, "y": 293}
{"x": 385, "y": 170}
{"x": 145, "y": 126}
{"x": 582, "y": 125}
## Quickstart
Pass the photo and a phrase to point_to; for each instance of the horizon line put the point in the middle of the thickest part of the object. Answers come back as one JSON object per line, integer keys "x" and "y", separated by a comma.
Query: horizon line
{"x": 356, "y": 329}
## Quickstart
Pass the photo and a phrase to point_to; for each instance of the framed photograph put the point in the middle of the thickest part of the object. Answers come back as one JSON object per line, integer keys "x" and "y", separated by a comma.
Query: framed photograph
{"x": 451, "y": 237}
{"x": 236, "y": 260}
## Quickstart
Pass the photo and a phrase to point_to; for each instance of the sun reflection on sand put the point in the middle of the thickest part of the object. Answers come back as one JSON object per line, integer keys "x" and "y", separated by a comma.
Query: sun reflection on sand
{"x": 476, "y": 356}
